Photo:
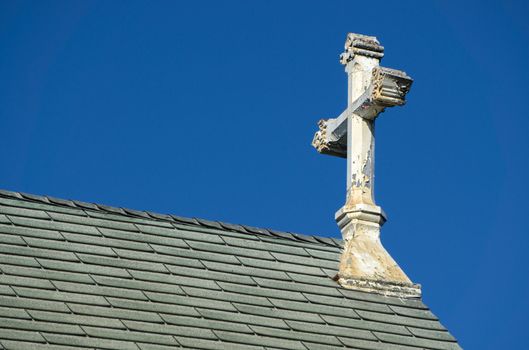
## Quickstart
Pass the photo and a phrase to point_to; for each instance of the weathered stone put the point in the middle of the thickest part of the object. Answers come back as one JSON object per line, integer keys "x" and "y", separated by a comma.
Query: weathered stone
{"x": 364, "y": 264}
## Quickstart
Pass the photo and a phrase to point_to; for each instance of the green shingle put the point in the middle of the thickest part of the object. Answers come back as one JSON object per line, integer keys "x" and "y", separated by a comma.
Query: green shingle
{"x": 91, "y": 342}
{"x": 76, "y": 319}
{"x": 61, "y": 296}
{"x": 191, "y": 301}
{"x": 75, "y": 275}
{"x": 260, "y": 340}
{"x": 169, "y": 329}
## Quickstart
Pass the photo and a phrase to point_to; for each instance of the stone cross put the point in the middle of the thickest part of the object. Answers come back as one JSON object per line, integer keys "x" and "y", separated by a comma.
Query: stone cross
{"x": 365, "y": 264}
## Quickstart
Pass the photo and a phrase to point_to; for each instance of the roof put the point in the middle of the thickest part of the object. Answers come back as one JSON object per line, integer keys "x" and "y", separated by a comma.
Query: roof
{"x": 76, "y": 275}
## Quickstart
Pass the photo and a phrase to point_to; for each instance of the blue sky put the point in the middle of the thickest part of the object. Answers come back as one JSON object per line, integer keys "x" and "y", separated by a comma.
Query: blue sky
{"x": 207, "y": 109}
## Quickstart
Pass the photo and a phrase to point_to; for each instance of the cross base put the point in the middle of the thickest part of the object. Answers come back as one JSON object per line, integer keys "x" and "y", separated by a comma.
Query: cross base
{"x": 365, "y": 264}
{"x": 389, "y": 289}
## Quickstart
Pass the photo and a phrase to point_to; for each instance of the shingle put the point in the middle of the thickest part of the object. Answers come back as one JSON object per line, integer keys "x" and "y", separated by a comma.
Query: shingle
{"x": 417, "y": 313}
{"x": 130, "y": 335}
{"x": 304, "y": 261}
{"x": 123, "y": 263}
{"x": 86, "y": 205}
{"x": 91, "y": 222}
{"x": 214, "y": 345}
{"x": 4, "y": 220}
{"x": 315, "y": 280}
{"x": 107, "y": 242}
{"x": 60, "y": 201}
{"x": 14, "y": 313}
{"x": 12, "y": 240}
{"x": 174, "y": 280}
{"x": 41, "y": 326}
{"x": 298, "y": 287}
{"x": 18, "y": 260}
{"x": 266, "y": 246}
{"x": 201, "y": 255}
{"x": 279, "y": 266}
{"x": 206, "y": 323}
{"x": 147, "y": 346}
{"x": 335, "y": 256}
{"x": 31, "y": 213}
{"x": 367, "y": 325}
{"x": 27, "y": 303}
{"x": 348, "y": 303}
{"x": 418, "y": 342}
{"x": 211, "y": 275}
{"x": 25, "y": 281}
{"x": 60, "y": 296}
{"x": 76, "y": 319}
{"x": 31, "y": 232}
{"x": 39, "y": 206}
{"x": 242, "y": 318}
{"x": 53, "y": 225}
{"x": 115, "y": 313}
{"x": 224, "y": 249}
{"x": 33, "y": 252}
{"x": 153, "y": 307}
{"x": 246, "y": 271}
{"x": 266, "y": 292}
{"x": 333, "y": 330}
{"x": 260, "y": 340}
{"x": 435, "y": 335}
{"x": 317, "y": 308}
{"x": 300, "y": 244}
{"x": 34, "y": 197}
{"x": 169, "y": 329}
{"x": 226, "y": 296}
{"x": 316, "y": 346}
{"x": 6, "y": 290}
{"x": 68, "y": 247}
{"x": 90, "y": 342}
{"x": 23, "y": 345}
{"x": 209, "y": 223}
{"x": 206, "y": 301}
{"x": 190, "y": 221}
{"x": 84, "y": 268}
{"x": 181, "y": 233}
{"x": 138, "y": 285}
{"x": 280, "y": 314}
{"x": 143, "y": 237}
{"x": 279, "y": 333}
{"x": 159, "y": 258}
{"x": 372, "y": 345}
{"x": 100, "y": 290}
{"x": 47, "y": 274}
{"x": 31, "y": 336}
{"x": 402, "y": 320}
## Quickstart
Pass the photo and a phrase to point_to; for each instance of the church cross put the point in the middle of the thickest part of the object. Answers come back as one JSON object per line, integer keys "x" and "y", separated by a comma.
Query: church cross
{"x": 364, "y": 264}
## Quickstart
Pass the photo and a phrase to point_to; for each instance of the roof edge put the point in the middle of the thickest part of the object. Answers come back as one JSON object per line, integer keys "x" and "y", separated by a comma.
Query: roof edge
{"x": 333, "y": 242}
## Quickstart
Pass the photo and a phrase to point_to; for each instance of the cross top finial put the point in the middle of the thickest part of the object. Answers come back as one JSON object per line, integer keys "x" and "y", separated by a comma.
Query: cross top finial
{"x": 363, "y": 45}
{"x": 365, "y": 264}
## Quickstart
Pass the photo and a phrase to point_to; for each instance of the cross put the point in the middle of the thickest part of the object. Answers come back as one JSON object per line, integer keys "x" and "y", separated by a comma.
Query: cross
{"x": 351, "y": 135}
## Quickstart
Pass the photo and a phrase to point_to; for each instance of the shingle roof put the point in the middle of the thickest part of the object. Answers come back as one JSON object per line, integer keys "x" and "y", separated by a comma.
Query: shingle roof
{"x": 76, "y": 275}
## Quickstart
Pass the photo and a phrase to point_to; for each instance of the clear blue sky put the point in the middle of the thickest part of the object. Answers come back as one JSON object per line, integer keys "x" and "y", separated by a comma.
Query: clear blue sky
{"x": 208, "y": 109}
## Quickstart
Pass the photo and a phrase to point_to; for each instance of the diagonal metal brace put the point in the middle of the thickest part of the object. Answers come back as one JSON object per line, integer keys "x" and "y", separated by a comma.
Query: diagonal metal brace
{"x": 388, "y": 88}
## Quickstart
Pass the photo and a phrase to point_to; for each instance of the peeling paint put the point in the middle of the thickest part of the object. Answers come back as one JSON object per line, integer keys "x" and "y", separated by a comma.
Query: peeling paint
{"x": 364, "y": 264}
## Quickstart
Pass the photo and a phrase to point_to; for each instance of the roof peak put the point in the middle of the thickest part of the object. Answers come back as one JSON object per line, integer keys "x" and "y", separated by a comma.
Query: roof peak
{"x": 59, "y": 202}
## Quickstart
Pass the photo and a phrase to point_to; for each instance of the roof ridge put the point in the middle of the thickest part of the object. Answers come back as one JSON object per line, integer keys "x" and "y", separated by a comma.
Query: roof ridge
{"x": 333, "y": 242}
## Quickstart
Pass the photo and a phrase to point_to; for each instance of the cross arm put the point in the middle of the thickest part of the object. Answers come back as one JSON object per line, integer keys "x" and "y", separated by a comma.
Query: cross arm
{"x": 388, "y": 88}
